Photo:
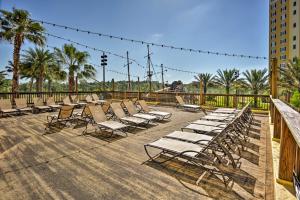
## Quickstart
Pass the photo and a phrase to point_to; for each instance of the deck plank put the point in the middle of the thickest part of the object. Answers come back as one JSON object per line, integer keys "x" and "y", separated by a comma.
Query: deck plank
{"x": 66, "y": 164}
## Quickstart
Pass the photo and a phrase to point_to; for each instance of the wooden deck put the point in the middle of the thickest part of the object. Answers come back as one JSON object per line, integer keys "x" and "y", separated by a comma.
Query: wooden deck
{"x": 67, "y": 165}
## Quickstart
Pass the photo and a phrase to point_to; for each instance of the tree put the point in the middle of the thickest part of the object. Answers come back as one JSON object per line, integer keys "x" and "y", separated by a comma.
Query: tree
{"x": 256, "y": 81}
{"x": 37, "y": 61}
{"x": 206, "y": 78}
{"x": 290, "y": 75}
{"x": 2, "y": 77}
{"x": 16, "y": 27}
{"x": 74, "y": 60}
{"x": 226, "y": 79}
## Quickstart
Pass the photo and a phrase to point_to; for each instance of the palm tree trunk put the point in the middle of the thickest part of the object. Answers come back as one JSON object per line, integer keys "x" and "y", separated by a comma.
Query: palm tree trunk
{"x": 49, "y": 85}
{"x": 37, "y": 88}
{"x": 16, "y": 57}
{"x": 30, "y": 84}
{"x": 41, "y": 79}
{"x": 227, "y": 96}
{"x": 71, "y": 83}
{"x": 255, "y": 98}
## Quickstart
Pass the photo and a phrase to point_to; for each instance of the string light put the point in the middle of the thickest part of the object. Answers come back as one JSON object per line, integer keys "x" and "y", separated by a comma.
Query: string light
{"x": 151, "y": 43}
{"x": 93, "y": 64}
{"x": 93, "y": 48}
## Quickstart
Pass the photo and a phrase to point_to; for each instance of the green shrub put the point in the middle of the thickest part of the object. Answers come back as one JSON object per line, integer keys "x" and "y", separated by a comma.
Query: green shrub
{"x": 295, "y": 100}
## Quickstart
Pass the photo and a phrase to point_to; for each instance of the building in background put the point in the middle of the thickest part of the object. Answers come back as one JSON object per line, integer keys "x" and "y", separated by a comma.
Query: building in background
{"x": 284, "y": 32}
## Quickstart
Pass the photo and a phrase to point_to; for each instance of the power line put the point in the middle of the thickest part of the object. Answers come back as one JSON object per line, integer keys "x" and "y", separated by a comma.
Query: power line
{"x": 151, "y": 43}
{"x": 108, "y": 70}
{"x": 93, "y": 48}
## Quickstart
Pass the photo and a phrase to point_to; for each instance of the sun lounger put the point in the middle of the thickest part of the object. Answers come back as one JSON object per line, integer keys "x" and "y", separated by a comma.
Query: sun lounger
{"x": 210, "y": 123}
{"x": 226, "y": 111}
{"x": 65, "y": 114}
{"x": 199, "y": 128}
{"x": 96, "y": 98}
{"x": 221, "y": 115}
{"x": 51, "y": 103}
{"x": 217, "y": 118}
{"x": 89, "y": 99}
{"x": 99, "y": 119}
{"x": 133, "y": 112}
{"x": 190, "y": 137}
{"x": 21, "y": 105}
{"x": 68, "y": 102}
{"x": 6, "y": 107}
{"x": 38, "y": 104}
{"x": 120, "y": 114}
{"x": 188, "y": 107}
{"x": 161, "y": 115}
{"x": 210, "y": 157}
{"x": 75, "y": 100}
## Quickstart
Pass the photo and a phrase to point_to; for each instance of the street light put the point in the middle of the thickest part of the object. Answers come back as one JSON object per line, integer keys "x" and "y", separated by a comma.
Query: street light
{"x": 103, "y": 64}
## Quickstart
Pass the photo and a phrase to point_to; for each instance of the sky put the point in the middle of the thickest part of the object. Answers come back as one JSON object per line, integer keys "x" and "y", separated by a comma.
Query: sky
{"x": 231, "y": 26}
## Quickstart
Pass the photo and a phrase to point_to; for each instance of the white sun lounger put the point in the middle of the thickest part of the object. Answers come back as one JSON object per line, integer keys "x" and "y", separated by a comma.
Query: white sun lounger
{"x": 120, "y": 114}
{"x": 203, "y": 128}
{"x": 99, "y": 119}
{"x": 190, "y": 137}
{"x": 210, "y": 123}
{"x": 160, "y": 114}
{"x": 133, "y": 111}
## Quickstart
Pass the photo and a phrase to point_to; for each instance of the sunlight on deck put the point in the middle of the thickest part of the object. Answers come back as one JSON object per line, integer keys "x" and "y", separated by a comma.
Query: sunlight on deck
{"x": 65, "y": 164}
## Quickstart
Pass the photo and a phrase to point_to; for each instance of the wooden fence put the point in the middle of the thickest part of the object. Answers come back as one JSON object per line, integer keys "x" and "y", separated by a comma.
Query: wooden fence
{"x": 287, "y": 130}
{"x": 260, "y": 102}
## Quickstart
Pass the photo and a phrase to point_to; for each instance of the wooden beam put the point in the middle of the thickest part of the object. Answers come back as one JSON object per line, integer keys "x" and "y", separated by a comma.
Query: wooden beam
{"x": 274, "y": 77}
{"x": 288, "y": 149}
{"x": 277, "y": 124}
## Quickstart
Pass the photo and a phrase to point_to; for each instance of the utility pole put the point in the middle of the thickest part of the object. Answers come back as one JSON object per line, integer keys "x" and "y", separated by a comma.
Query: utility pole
{"x": 103, "y": 64}
{"x": 162, "y": 77}
{"x": 128, "y": 72}
{"x": 149, "y": 69}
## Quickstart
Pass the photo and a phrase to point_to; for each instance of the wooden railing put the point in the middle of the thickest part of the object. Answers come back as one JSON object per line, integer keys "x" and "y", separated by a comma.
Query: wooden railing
{"x": 260, "y": 102}
{"x": 287, "y": 130}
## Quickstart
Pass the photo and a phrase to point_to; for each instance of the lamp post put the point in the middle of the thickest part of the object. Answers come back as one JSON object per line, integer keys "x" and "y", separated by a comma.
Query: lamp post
{"x": 103, "y": 64}
{"x": 236, "y": 76}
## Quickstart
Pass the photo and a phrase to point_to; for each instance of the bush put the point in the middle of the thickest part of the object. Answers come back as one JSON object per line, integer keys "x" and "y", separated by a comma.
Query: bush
{"x": 295, "y": 100}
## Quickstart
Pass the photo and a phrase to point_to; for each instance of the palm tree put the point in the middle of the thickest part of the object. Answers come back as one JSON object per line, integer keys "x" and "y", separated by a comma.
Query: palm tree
{"x": 2, "y": 77}
{"x": 36, "y": 63}
{"x": 226, "y": 79}
{"x": 206, "y": 78}
{"x": 256, "y": 81}
{"x": 16, "y": 27}
{"x": 54, "y": 73}
{"x": 290, "y": 75}
{"x": 75, "y": 62}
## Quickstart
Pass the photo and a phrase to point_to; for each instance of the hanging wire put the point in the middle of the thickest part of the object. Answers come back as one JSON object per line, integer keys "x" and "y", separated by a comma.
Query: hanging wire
{"x": 151, "y": 43}
{"x": 93, "y": 48}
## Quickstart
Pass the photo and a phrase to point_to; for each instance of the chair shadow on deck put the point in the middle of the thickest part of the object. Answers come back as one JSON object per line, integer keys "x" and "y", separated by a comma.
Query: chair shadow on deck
{"x": 188, "y": 175}
{"x": 106, "y": 136}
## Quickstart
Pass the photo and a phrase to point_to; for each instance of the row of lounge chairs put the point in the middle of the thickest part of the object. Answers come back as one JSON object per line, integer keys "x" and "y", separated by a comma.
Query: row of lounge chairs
{"x": 110, "y": 116}
{"x": 21, "y": 105}
{"x": 210, "y": 143}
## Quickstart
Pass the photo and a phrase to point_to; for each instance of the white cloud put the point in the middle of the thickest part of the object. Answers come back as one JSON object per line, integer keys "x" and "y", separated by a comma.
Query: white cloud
{"x": 156, "y": 37}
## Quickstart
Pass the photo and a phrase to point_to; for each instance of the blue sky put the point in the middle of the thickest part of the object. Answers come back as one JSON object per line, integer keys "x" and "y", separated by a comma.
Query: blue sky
{"x": 233, "y": 26}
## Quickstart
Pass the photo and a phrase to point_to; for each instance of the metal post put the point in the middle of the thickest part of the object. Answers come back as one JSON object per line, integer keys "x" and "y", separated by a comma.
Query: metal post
{"x": 139, "y": 89}
{"x": 149, "y": 69}
{"x": 162, "y": 77}
{"x": 128, "y": 71}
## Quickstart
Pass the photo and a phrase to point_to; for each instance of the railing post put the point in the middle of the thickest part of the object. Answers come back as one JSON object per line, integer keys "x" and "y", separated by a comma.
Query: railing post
{"x": 277, "y": 124}
{"x": 235, "y": 101}
{"x": 200, "y": 93}
{"x": 287, "y": 154}
{"x": 274, "y": 76}
{"x": 113, "y": 88}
